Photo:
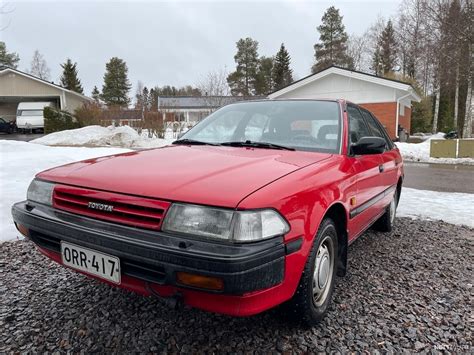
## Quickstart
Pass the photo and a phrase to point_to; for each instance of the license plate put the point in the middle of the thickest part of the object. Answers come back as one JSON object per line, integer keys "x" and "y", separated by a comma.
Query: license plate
{"x": 92, "y": 262}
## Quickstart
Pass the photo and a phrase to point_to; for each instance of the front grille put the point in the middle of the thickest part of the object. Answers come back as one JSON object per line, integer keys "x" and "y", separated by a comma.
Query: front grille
{"x": 128, "y": 210}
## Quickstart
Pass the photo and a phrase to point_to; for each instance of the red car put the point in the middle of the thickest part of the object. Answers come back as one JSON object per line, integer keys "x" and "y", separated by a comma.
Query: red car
{"x": 253, "y": 207}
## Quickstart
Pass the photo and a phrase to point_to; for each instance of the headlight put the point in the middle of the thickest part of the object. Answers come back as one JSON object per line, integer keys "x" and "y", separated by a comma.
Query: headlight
{"x": 205, "y": 221}
{"x": 237, "y": 226}
{"x": 41, "y": 192}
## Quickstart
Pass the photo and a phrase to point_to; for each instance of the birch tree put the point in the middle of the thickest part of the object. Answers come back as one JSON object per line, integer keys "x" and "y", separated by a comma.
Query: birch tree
{"x": 39, "y": 67}
{"x": 214, "y": 88}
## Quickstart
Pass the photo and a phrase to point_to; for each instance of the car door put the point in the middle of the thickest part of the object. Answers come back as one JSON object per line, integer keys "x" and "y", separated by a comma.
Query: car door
{"x": 366, "y": 168}
{"x": 390, "y": 158}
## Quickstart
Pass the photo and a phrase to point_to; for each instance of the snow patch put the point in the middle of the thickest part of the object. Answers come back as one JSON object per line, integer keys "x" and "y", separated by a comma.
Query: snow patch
{"x": 98, "y": 136}
{"x": 420, "y": 152}
{"x": 21, "y": 161}
{"x": 451, "y": 207}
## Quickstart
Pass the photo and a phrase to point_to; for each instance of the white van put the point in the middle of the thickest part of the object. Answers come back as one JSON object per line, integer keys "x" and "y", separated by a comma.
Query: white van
{"x": 29, "y": 115}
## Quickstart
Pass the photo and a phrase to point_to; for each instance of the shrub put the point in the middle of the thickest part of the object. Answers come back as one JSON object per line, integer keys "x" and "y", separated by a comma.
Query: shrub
{"x": 422, "y": 115}
{"x": 153, "y": 123}
{"x": 89, "y": 114}
{"x": 57, "y": 120}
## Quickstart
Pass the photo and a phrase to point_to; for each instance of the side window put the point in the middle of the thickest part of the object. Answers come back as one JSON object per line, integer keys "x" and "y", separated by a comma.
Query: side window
{"x": 372, "y": 124}
{"x": 384, "y": 131}
{"x": 357, "y": 126}
{"x": 375, "y": 127}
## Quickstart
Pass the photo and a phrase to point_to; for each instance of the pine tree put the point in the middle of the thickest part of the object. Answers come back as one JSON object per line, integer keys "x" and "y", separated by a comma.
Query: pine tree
{"x": 8, "y": 59}
{"x": 332, "y": 49}
{"x": 39, "y": 67}
{"x": 146, "y": 98}
{"x": 69, "y": 78}
{"x": 385, "y": 55}
{"x": 139, "y": 102}
{"x": 153, "y": 98}
{"x": 95, "y": 94}
{"x": 264, "y": 80}
{"x": 377, "y": 61}
{"x": 282, "y": 73}
{"x": 242, "y": 81}
{"x": 116, "y": 85}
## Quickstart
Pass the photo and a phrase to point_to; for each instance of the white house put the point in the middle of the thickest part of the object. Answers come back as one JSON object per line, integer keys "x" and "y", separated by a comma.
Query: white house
{"x": 389, "y": 100}
{"x": 17, "y": 86}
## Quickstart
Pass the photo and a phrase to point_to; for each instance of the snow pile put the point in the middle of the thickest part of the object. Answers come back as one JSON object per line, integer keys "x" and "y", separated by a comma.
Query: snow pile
{"x": 451, "y": 207}
{"x": 21, "y": 161}
{"x": 98, "y": 136}
{"x": 420, "y": 152}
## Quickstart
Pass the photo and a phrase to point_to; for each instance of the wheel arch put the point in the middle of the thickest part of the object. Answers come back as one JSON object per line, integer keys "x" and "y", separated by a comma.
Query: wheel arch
{"x": 399, "y": 187}
{"x": 338, "y": 213}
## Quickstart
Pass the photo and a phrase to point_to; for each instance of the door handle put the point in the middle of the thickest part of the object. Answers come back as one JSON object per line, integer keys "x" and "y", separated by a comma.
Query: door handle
{"x": 381, "y": 168}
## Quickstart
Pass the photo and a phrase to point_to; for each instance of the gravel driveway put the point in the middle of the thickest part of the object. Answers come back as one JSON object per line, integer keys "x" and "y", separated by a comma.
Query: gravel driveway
{"x": 410, "y": 290}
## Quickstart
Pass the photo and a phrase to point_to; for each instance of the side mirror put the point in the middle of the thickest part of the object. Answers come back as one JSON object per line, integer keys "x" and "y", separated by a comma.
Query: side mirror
{"x": 369, "y": 145}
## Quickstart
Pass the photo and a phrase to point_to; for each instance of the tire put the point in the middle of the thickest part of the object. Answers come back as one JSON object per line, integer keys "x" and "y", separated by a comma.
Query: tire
{"x": 313, "y": 296}
{"x": 386, "y": 221}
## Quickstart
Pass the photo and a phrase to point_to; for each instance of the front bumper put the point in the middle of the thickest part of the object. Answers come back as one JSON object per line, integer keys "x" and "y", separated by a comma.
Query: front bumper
{"x": 150, "y": 259}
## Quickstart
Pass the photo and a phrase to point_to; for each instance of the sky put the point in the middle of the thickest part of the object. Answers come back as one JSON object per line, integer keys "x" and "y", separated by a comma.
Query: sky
{"x": 171, "y": 42}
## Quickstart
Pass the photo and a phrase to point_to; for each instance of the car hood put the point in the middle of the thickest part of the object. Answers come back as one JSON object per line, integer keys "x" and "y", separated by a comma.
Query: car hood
{"x": 219, "y": 176}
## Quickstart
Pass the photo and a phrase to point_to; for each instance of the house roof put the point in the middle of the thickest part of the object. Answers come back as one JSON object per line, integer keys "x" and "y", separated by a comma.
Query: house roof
{"x": 4, "y": 70}
{"x": 396, "y": 84}
{"x": 200, "y": 101}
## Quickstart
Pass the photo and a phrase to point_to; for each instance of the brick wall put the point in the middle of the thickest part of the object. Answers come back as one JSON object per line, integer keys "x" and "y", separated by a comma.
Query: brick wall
{"x": 386, "y": 112}
{"x": 405, "y": 121}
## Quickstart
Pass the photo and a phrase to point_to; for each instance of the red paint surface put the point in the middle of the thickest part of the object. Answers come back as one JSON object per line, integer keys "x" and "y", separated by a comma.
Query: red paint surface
{"x": 302, "y": 186}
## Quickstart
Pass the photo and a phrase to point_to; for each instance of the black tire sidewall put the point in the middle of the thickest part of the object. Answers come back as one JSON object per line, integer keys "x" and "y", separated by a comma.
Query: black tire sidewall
{"x": 327, "y": 228}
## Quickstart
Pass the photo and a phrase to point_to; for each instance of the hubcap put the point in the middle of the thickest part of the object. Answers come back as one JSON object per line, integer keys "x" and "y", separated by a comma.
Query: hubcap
{"x": 323, "y": 271}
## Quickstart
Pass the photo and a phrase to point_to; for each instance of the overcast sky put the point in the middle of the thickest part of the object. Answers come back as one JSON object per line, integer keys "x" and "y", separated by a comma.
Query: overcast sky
{"x": 173, "y": 42}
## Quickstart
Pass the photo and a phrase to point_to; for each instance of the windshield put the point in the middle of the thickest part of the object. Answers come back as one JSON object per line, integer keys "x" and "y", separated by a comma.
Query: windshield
{"x": 302, "y": 125}
{"x": 30, "y": 113}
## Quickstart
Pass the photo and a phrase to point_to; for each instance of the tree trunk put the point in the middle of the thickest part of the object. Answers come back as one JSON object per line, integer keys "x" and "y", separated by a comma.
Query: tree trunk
{"x": 456, "y": 101}
{"x": 467, "y": 129}
{"x": 436, "y": 111}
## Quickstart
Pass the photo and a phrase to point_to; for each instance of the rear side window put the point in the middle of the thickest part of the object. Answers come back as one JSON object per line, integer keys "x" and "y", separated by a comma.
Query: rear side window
{"x": 357, "y": 125}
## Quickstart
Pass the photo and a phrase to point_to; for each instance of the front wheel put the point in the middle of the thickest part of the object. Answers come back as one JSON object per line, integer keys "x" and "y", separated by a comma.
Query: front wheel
{"x": 313, "y": 296}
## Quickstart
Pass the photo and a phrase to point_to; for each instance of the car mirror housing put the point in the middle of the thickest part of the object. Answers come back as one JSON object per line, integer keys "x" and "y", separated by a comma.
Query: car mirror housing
{"x": 369, "y": 145}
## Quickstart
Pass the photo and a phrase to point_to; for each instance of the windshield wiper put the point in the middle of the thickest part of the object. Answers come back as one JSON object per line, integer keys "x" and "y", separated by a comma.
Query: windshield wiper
{"x": 186, "y": 141}
{"x": 254, "y": 144}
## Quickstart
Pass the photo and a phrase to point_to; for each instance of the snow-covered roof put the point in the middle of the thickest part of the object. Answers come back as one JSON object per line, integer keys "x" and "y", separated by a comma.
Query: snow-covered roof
{"x": 354, "y": 74}
{"x": 5, "y": 70}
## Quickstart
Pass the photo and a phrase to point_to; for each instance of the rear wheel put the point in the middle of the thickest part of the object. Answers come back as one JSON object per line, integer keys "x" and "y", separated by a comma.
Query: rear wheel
{"x": 386, "y": 222}
{"x": 313, "y": 296}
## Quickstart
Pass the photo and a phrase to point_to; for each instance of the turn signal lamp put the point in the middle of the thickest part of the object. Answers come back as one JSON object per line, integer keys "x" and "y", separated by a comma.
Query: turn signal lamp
{"x": 22, "y": 229}
{"x": 200, "y": 281}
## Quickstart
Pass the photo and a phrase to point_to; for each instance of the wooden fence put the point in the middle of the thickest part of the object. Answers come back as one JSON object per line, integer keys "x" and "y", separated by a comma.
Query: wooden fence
{"x": 452, "y": 148}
